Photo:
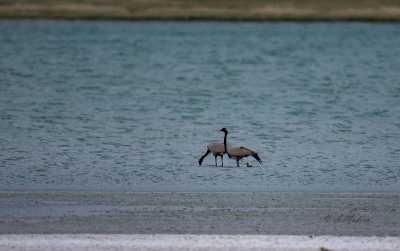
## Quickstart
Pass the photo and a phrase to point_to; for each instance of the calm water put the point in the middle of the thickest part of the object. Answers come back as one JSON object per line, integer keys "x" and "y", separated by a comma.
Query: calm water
{"x": 132, "y": 106}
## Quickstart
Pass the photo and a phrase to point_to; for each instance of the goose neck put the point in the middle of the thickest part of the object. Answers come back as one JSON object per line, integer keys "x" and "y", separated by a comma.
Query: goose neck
{"x": 225, "y": 144}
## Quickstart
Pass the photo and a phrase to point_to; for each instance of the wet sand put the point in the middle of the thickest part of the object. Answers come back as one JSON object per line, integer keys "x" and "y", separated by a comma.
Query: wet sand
{"x": 338, "y": 214}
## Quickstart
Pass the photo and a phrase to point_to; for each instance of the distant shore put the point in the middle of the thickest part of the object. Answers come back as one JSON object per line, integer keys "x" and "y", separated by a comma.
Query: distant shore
{"x": 222, "y": 10}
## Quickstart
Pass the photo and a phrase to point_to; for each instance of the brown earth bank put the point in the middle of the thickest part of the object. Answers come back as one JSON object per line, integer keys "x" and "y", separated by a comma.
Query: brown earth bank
{"x": 236, "y": 10}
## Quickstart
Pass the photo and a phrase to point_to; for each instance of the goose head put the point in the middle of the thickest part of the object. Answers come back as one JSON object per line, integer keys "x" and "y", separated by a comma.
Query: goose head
{"x": 224, "y": 130}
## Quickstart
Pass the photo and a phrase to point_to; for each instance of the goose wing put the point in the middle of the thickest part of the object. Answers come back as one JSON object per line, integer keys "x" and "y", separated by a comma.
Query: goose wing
{"x": 216, "y": 148}
{"x": 254, "y": 154}
{"x": 247, "y": 150}
{"x": 242, "y": 152}
{"x": 239, "y": 152}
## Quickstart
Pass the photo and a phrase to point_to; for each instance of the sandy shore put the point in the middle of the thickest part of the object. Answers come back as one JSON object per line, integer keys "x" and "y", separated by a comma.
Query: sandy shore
{"x": 338, "y": 214}
{"x": 197, "y": 242}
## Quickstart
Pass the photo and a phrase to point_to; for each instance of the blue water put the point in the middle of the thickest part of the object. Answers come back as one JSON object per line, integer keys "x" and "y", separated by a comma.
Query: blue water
{"x": 131, "y": 106}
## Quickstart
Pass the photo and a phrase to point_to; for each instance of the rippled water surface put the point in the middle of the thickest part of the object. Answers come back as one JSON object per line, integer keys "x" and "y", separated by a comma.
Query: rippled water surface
{"x": 132, "y": 106}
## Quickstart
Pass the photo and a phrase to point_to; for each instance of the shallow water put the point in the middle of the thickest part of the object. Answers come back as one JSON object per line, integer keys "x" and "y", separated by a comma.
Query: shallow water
{"x": 131, "y": 106}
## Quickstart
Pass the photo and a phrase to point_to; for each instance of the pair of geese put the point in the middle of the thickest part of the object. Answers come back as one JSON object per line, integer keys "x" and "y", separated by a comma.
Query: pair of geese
{"x": 236, "y": 153}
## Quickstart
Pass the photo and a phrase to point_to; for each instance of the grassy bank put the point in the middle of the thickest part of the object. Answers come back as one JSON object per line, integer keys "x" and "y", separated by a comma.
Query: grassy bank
{"x": 251, "y": 10}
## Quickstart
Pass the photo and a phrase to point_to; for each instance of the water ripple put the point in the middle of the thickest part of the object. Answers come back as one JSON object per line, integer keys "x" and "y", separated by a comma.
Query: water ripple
{"x": 135, "y": 109}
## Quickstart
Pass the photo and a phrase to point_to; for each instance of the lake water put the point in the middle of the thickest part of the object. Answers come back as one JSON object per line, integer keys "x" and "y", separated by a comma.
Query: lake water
{"x": 131, "y": 106}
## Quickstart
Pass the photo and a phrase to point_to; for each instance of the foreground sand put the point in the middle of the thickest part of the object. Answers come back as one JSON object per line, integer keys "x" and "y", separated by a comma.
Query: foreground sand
{"x": 253, "y": 10}
{"x": 338, "y": 214}
{"x": 197, "y": 242}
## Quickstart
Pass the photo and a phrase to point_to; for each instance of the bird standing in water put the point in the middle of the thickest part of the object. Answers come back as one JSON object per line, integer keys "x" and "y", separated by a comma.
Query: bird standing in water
{"x": 217, "y": 149}
{"x": 238, "y": 153}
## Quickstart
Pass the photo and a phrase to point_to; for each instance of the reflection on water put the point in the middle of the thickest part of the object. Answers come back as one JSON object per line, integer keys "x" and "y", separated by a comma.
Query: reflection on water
{"x": 132, "y": 106}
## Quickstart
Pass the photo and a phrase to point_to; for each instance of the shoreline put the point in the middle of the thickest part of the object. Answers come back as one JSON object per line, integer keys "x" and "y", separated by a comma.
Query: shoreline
{"x": 217, "y": 20}
{"x": 224, "y": 10}
{"x": 336, "y": 214}
{"x": 194, "y": 20}
{"x": 197, "y": 242}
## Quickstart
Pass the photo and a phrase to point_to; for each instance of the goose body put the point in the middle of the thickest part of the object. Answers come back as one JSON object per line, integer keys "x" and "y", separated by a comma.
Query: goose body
{"x": 238, "y": 153}
{"x": 217, "y": 149}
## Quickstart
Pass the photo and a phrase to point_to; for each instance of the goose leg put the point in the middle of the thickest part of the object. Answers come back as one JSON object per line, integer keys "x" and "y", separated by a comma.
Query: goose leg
{"x": 215, "y": 156}
{"x": 237, "y": 163}
{"x": 222, "y": 159}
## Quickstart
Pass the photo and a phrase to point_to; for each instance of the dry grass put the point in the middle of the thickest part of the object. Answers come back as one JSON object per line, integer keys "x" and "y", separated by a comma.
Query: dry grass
{"x": 258, "y": 10}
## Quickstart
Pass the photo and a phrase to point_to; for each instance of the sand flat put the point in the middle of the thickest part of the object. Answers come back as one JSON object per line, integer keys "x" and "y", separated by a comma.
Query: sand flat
{"x": 338, "y": 214}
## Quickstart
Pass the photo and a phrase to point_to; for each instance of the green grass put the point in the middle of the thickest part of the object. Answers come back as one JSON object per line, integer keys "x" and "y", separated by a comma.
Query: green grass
{"x": 251, "y": 10}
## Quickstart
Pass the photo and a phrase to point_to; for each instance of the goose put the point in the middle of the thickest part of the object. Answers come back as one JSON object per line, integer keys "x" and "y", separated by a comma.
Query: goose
{"x": 238, "y": 153}
{"x": 217, "y": 149}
